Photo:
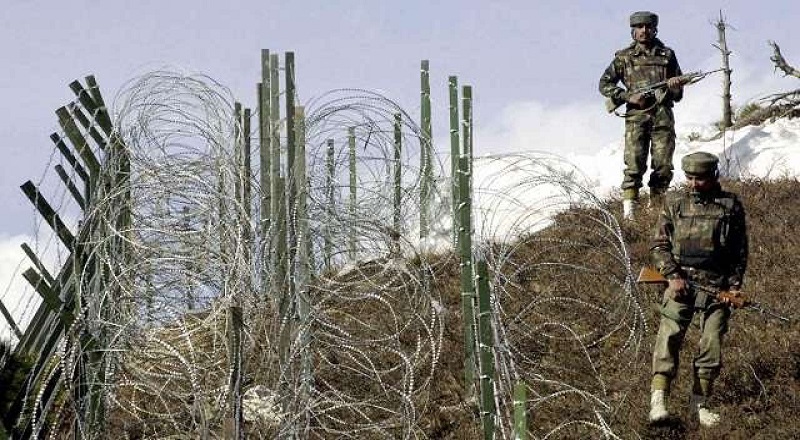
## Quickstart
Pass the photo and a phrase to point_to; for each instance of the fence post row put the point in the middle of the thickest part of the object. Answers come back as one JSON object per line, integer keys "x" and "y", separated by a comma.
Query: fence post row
{"x": 285, "y": 245}
{"x": 61, "y": 298}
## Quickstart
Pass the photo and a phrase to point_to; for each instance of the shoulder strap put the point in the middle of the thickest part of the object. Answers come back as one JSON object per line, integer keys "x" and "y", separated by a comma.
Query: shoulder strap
{"x": 727, "y": 200}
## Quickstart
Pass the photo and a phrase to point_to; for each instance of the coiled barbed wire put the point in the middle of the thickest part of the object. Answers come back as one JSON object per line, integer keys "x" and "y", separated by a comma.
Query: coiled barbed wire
{"x": 172, "y": 238}
{"x": 567, "y": 318}
{"x": 180, "y": 252}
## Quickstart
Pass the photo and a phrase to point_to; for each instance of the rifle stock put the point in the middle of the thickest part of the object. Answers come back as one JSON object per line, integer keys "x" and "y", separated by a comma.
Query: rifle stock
{"x": 648, "y": 275}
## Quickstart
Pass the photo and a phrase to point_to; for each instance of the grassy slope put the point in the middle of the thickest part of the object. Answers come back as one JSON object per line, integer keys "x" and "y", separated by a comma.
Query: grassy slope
{"x": 758, "y": 392}
{"x": 760, "y": 383}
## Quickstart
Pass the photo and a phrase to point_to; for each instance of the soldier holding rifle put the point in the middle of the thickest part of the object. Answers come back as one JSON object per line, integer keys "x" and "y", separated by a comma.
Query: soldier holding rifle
{"x": 700, "y": 240}
{"x": 649, "y": 122}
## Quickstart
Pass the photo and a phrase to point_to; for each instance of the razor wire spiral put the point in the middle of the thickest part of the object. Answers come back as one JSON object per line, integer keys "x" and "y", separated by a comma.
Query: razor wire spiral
{"x": 566, "y": 315}
{"x": 184, "y": 258}
{"x": 362, "y": 360}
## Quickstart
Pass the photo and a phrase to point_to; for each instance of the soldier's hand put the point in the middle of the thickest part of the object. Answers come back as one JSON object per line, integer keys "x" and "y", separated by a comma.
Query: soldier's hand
{"x": 674, "y": 83}
{"x": 636, "y": 99}
{"x": 732, "y": 298}
{"x": 677, "y": 286}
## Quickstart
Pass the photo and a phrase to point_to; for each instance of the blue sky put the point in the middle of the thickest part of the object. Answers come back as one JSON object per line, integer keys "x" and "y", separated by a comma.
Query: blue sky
{"x": 521, "y": 56}
{"x": 534, "y": 66}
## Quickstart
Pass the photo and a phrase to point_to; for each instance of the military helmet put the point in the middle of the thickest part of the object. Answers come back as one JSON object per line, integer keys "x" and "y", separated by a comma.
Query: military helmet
{"x": 644, "y": 17}
{"x": 700, "y": 164}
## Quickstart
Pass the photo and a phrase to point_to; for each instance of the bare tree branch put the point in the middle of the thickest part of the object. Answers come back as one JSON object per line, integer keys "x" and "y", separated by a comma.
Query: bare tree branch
{"x": 780, "y": 62}
{"x": 789, "y": 98}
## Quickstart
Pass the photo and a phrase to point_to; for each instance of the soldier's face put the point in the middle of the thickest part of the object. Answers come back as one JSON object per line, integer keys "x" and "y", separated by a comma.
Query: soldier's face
{"x": 644, "y": 33}
{"x": 699, "y": 183}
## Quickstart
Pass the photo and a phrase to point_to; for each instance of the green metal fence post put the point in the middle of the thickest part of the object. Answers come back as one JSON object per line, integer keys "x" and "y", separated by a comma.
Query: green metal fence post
{"x": 10, "y": 321}
{"x": 466, "y": 102}
{"x": 304, "y": 265}
{"x": 235, "y": 327}
{"x": 291, "y": 172}
{"x": 278, "y": 284}
{"x": 304, "y": 184}
{"x": 264, "y": 140}
{"x": 100, "y": 112}
{"x": 237, "y": 151}
{"x": 426, "y": 153}
{"x": 455, "y": 152}
{"x": 301, "y": 211}
{"x": 398, "y": 188}
{"x": 351, "y": 142}
{"x": 520, "y": 411}
{"x": 467, "y": 281}
{"x": 330, "y": 174}
{"x": 246, "y": 179}
{"x": 486, "y": 348}
{"x": 277, "y": 239}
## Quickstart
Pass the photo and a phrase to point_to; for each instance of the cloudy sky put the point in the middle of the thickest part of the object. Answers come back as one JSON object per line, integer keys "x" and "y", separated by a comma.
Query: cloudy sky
{"x": 534, "y": 65}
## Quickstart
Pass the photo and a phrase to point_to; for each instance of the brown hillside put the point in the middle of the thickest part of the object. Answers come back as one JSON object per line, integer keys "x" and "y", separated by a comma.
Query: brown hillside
{"x": 575, "y": 330}
{"x": 757, "y": 392}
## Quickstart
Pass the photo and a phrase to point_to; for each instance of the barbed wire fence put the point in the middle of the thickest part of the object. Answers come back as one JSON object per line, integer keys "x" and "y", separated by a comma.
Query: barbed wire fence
{"x": 568, "y": 322}
{"x": 184, "y": 315}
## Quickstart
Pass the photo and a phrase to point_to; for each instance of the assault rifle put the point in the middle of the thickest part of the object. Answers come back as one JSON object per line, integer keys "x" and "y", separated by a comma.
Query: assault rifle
{"x": 702, "y": 294}
{"x": 650, "y": 90}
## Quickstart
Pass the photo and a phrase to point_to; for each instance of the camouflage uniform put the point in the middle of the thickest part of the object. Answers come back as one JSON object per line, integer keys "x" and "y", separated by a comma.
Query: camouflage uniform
{"x": 650, "y": 128}
{"x": 701, "y": 237}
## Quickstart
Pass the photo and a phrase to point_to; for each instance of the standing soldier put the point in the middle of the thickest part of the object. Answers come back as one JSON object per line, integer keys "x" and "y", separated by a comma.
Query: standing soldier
{"x": 649, "y": 122}
{"x": 700, "y": 242}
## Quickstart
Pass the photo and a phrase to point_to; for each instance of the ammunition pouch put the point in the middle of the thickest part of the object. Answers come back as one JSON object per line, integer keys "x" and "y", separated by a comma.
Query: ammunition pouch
{"x": 701, "y": 299}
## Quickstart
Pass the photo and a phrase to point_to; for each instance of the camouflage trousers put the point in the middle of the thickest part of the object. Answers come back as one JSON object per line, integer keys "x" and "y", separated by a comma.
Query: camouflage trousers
{"x": 676, "y": 316}
{"x": 650, "y": 133}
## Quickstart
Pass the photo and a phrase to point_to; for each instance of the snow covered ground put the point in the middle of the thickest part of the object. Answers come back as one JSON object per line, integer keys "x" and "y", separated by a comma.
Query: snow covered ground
{"x": 768, "y": 151}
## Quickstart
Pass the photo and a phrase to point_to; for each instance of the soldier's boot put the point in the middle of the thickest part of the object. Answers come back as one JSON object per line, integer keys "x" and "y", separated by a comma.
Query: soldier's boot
{"x": 701, "y": 389}
{"x": 658, "y": 406}
{"x": 705, "y": 416}
{"x": 629, "y": 201}
{"x": 659, "y": 398}
{"x": 628, "y": 209}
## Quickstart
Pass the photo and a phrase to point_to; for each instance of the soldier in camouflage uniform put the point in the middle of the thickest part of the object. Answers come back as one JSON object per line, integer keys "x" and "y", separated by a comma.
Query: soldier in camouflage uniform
{"x": 649, "y": 122}
{"x": 700, "y": 241}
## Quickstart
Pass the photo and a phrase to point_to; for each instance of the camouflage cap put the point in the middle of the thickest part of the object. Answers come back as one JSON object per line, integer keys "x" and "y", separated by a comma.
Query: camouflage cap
{"x": 644, "y": 17}
{"x": 699, "y": 163}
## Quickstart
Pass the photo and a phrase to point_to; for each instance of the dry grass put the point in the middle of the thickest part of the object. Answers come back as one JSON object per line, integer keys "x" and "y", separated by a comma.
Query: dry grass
{"x": 758, "y": 392}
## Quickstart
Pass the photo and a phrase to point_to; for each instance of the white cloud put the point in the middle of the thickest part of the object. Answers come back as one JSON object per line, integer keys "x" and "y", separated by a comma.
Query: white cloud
{"x": 578, "y": 127}
{"x": 585, "y": 128}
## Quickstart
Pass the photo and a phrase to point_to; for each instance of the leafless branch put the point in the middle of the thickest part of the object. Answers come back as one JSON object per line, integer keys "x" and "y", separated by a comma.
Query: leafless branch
{"x": 780, "y": 62}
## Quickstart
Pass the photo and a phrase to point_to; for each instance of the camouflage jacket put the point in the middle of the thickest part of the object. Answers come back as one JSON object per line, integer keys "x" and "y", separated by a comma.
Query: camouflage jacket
{"x": 703, "y": 238}
{"x": 637, "y": 67}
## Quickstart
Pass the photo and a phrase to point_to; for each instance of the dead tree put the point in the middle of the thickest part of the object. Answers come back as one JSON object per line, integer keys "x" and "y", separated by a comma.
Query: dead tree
{"x": 722, "y": 45}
